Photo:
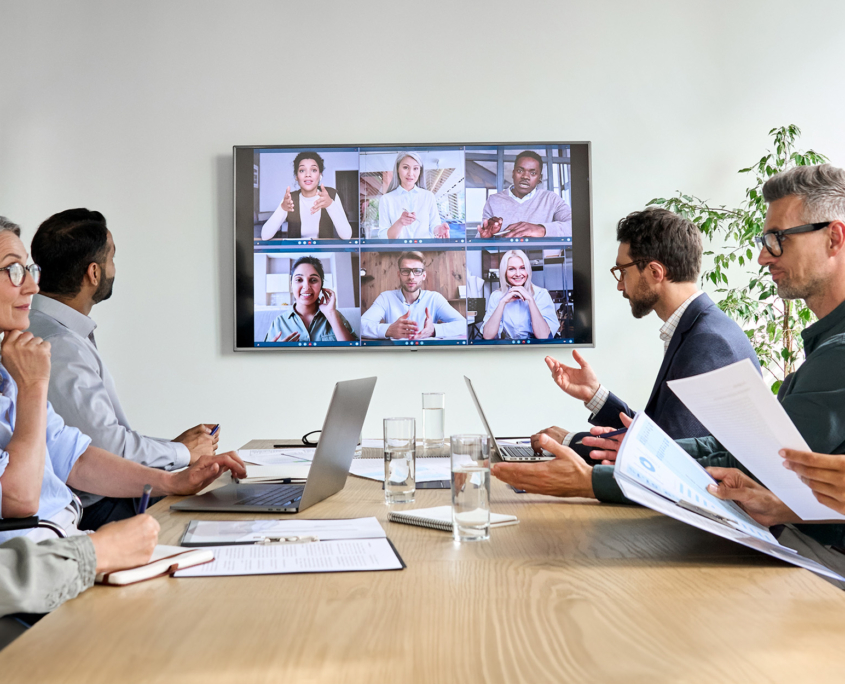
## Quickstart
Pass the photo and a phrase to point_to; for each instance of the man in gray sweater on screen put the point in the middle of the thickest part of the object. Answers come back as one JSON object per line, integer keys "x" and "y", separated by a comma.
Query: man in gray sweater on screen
{"x": 525, "y": 209}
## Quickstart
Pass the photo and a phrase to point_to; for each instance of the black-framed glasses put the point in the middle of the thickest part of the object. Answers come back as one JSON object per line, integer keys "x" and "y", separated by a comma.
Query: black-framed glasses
{"x": 773, "y": 240}
{"x": 408, "y": 271}
{"x": 618, "y": 272}
{"x": 17, "y": 272}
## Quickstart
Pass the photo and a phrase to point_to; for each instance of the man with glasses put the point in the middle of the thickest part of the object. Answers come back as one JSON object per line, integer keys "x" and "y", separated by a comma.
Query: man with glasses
{"x": 657, "y": 266}
{"x": 412, "y": 313}
{"x": 76, "y": 251}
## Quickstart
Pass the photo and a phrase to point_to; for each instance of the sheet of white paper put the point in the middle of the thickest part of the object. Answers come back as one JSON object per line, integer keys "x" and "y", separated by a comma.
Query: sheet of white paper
{"x": 279, "y": 559}
{"x": 427, "y": 469}
{"x": 368, "y": 443}
{"x": 290, "y": 471}
{"x": 276, "y": 456}
{"x": 735, "y": 405}
{"x": 213, "y": 532}
{"x": 651, "y": 458}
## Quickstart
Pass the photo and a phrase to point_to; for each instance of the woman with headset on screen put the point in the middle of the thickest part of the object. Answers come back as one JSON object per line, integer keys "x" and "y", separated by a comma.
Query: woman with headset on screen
{"x": 313, "y": 211}
{"x": 519, "y": 308}
{"x": 407, "y": 209}
{"x": 314, "y": 316}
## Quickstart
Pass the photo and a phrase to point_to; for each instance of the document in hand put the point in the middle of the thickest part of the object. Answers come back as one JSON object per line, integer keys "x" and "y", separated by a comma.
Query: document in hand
{"x": 735, "y": 405}
{"x": 654, "y": 471}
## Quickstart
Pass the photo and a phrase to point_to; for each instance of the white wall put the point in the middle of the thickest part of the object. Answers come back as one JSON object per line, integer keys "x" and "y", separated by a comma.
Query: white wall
{"x": 132, "y": 109}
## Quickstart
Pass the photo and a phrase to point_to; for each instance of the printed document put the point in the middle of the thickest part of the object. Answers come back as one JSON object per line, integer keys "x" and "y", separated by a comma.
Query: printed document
{"x": 735, "y": 405}
{"x": 217, "y": 532}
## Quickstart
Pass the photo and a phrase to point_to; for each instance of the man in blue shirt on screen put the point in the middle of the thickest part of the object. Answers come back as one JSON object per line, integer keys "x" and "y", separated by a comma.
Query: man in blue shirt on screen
{"x": 412, "y": 313}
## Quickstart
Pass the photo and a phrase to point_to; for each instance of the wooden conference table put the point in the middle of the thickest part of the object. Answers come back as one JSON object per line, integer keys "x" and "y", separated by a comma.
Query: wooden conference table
{"x": 577, "y": 592}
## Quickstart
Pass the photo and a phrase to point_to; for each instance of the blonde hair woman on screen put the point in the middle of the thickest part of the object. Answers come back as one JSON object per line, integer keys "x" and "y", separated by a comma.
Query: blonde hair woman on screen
{"x": 519, "y": 309}
{"x": 407, "y": 209}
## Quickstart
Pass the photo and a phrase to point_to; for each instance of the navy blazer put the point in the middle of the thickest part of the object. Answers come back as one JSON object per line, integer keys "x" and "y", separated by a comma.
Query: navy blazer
{"x": 706, "y": 339}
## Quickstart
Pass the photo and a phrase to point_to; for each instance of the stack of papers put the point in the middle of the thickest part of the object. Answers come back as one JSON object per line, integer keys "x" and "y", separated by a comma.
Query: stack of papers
{"x": 277, "y": 456}
{"x": 218, "y": 532}
{"x": 427, "y": 470}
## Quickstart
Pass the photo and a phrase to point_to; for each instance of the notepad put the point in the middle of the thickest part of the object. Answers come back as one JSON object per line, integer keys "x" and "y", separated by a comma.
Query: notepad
{"x": 164, "y": 561}
{"x": 440, "y": 518}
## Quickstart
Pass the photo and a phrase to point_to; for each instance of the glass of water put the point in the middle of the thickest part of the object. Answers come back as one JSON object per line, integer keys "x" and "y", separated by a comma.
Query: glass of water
{"x": 470, "y": 487}
{"x": 433, "y": 422}
{"x": 399, "y": 460}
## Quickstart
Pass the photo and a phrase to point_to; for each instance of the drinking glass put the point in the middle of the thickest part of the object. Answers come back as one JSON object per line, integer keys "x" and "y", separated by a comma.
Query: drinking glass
{"x": 470, "y": 487}
{"x": 399, "y": 460}
{"x": 433, "y": 422}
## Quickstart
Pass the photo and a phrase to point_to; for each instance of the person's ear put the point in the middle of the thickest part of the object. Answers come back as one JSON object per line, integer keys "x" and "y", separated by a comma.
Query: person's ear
{"x": 93, "y": 273}
{"x": 657, "y": 271}
{"x": 836, "y": 237}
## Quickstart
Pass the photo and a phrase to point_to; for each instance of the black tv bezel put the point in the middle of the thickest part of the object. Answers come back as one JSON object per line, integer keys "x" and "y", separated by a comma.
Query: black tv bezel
{"x": 582, "y": 234}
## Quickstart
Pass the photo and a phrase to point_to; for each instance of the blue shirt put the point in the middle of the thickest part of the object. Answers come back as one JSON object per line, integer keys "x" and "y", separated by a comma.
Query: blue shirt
{"x": 516, "y": 317}
{"x": 320, "y": 330}
{"x": 64, "y": 447}
{"x": 391, "y": 305}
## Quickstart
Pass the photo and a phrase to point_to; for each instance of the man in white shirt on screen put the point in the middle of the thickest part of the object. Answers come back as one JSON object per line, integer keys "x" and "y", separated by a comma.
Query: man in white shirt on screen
{"x": 412, "y": 313}
{"x": 76, "y": 252}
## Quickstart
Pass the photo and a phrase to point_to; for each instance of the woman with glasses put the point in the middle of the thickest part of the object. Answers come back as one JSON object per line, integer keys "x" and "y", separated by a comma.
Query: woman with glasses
{"x": 314, "y": 316}
{"x": 519, "y": 309}
{"x": 407, "y": 210}
{"x": 313, "y": 211}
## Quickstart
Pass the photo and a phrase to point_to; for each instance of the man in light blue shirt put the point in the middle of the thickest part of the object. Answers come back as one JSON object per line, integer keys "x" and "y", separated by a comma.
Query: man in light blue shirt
{"x": 411, "y": 312}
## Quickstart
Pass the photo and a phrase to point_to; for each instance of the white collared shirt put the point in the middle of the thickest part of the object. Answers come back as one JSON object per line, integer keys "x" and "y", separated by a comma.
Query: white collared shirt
{"x": 391, "y": 305}
{"x": 418, "y": 201}
{"x": 524, "y": 198}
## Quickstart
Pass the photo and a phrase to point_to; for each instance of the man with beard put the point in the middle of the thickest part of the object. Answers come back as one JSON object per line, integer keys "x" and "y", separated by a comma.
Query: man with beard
{"x": 657, "y": 266}
{"x": 76, "y": 251}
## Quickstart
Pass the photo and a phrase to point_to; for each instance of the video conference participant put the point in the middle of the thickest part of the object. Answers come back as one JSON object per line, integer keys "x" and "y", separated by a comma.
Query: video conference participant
{"x": 524, "y": 209}
{"x": 76, "y": 252}
{"x": 519, "y": 310}
{"x": 38, "y": 578}
{"x": 313, "y": 211}
{"x": 41, "y": 456}
{"x": 407, "y": 210}
{"x": 412, "y": 313}
{"x": 314, "y": 316}
{"x": 657, "y": 266}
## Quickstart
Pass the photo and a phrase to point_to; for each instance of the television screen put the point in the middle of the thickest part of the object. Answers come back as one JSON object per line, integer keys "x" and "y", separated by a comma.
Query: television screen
{"x": 422, "y": 245}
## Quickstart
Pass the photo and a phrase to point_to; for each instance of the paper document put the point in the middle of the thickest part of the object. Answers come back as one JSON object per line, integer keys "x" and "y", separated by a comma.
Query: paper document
{"x": 278, "y": 559}
{"x": 276, "y": 473}
{"x": 654, "y": 471}
{"x": 427, "y": 470}
{"x": 277, "y": 456}
{"x": 218, "y": 532}
{"x": 368, "y": 443}
{"x": 735, "y": 405}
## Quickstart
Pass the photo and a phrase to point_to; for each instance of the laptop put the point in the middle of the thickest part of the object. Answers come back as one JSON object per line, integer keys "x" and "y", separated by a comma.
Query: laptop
{"x": 329, "y": 469}
{"x": 505, "y": 452}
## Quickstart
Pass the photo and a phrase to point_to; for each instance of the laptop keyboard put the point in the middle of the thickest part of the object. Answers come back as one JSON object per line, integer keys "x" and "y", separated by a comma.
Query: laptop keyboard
{"x": 275, "y": 496}
{"x": 522, "y": 451}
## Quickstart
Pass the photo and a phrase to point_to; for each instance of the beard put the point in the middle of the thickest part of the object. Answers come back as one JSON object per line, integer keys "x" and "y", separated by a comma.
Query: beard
{"x": 643, "y": 300}
{"x": 104, "y": 290}
{"x": 788, "y": 289}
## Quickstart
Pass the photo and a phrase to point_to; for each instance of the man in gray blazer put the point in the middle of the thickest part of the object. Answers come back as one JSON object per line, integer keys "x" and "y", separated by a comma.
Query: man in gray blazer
{"x": 76, "y": 251}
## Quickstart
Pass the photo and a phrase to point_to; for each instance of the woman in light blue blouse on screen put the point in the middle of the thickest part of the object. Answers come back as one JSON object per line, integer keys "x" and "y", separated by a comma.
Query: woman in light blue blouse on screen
{"x": 407, "y": 209}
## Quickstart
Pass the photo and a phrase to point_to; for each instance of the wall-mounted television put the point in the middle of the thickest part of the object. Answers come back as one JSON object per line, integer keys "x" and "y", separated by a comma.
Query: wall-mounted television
{"x": 413, "y": 246}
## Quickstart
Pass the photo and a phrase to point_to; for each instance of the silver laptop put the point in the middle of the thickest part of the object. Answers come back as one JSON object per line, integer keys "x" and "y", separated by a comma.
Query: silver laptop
{"x": 329, "y": 469}
{"x": 505, "y": 452}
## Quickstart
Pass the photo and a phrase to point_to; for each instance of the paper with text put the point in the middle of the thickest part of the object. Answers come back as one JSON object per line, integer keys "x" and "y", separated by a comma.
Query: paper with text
{"x": 215, "y": 532}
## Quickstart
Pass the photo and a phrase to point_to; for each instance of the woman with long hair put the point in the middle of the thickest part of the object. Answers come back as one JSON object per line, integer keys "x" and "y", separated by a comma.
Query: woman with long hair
{"x": 519, "y": 309}
{"x": 407, "y": 209}
{"x": 313, "y": 211}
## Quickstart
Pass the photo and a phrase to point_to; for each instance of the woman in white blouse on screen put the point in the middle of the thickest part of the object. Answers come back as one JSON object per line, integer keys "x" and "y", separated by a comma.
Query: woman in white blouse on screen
{"x": 313, "y": 211}
{"x": 519, "y": 309}
{"x": 407, "y": 209}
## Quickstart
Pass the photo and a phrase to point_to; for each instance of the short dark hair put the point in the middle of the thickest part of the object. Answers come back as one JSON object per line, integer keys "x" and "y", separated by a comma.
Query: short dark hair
{"x": 65, "y": 245}
{"x": 315, "y": 262}
{"x": 530, "y": 155}
{"x": 656, "y": 234}
{"x": 308, "y": 155}
{"x": 411, "y": 256}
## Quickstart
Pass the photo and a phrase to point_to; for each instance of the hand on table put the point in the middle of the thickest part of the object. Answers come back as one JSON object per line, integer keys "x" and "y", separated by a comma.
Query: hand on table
{"x": 125, "y": 544}
{"x": 752, "y": 497}
{"x": 427, "y": 329}
{"x": 823, "y": 473}
{"x": 402, "y": 328}
{"x": 204, "y": 471}
{"x": 556, "y": 433}
{"x": 525, "y": 229}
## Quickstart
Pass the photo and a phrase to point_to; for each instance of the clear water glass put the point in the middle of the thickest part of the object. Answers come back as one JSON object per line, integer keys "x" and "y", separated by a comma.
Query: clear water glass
{"x": 399, "y": 460}
{"x": 433, "y": 422}
{"x": 470, "y": 487}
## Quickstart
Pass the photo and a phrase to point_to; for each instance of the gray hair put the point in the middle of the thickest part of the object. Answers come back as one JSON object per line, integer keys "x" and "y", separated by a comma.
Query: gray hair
{"x": 6, "y": 224}
{"x": 822, "y": 188}
{"x": 394, "y": 181}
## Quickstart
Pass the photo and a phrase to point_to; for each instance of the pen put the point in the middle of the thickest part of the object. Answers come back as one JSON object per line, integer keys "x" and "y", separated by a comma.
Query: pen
{"x": 608, "y": 435}
{"x": 145, "y": 499}
{"x": 215, "y": 429}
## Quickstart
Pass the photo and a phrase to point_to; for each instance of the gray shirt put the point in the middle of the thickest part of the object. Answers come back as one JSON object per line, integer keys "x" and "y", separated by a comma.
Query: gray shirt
{"x": 82, "y": 390}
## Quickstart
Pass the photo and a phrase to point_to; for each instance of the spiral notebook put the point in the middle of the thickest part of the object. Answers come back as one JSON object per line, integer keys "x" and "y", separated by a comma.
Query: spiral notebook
{"x": 440, "y": 518}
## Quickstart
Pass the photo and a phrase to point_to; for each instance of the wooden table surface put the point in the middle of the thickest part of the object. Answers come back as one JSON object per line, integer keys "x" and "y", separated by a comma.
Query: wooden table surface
{"x": 577, "y": 592}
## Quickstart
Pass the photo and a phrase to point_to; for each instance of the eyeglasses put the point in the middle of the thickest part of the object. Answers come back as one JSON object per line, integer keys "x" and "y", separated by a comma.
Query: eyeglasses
{"x": 409, "y": 271}
{"x": 17, "y": 272}
{"x": 773, "y": 240}
{"x": 618, "y": 272}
